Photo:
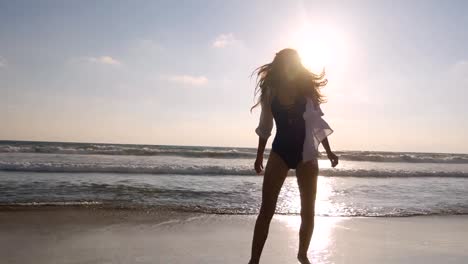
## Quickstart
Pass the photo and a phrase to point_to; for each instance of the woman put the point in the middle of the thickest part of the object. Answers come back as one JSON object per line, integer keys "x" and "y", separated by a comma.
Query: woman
{"x": 289, "y": 94}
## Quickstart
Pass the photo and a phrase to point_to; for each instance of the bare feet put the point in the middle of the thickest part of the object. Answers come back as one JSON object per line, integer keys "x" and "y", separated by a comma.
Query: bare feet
{"x": 303, "y": 259}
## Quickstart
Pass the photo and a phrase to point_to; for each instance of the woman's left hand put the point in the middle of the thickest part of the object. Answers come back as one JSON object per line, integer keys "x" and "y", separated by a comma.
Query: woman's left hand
{"x": 333, "y": 158}
{"x": 258, "y": 164}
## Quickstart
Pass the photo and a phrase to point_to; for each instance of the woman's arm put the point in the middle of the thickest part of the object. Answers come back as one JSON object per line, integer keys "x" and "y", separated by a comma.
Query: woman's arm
{"x": 260, "y": 150}
{"x": 263, "y": 131}
{"x": 331, "y": 156}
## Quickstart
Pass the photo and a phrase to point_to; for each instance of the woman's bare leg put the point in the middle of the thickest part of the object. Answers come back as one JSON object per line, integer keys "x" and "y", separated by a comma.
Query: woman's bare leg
{"x": 275, "y": 172}
{"x": 307, "y": 174}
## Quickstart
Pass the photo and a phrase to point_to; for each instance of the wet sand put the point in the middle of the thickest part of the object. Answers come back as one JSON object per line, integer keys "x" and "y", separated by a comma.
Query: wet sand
{"x": 90, "y": 235}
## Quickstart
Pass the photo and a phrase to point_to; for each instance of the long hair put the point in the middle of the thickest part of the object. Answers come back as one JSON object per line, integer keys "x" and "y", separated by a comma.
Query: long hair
{"x": 273, "y": 75}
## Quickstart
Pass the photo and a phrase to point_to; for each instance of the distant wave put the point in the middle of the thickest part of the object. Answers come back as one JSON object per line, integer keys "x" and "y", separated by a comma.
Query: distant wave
{"x": 132, "y": 150}
{"x": 214, "y": 152}
{"x": 208, "y": 170}
{"x": 404, "y": 157}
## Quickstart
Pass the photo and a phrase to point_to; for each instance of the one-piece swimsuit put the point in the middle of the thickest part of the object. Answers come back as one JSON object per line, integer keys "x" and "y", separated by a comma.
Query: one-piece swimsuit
{"x": 290, "y": 130}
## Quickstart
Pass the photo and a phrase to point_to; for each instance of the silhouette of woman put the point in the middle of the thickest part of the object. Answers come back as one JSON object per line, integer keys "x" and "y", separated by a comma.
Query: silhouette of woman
{"x": 290, "y": 95}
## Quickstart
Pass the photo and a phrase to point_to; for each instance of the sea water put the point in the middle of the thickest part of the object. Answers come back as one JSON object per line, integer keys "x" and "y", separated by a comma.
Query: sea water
{"x": 222, "y": 180}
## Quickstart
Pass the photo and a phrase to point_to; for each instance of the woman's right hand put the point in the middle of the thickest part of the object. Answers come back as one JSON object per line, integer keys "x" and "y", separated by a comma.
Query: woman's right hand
{"x": 258, "y": 165}
{"x": 333, "y": 158}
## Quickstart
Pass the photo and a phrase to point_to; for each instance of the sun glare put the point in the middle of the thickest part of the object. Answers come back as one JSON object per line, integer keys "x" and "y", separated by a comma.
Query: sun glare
{"x": 319, "y": 46}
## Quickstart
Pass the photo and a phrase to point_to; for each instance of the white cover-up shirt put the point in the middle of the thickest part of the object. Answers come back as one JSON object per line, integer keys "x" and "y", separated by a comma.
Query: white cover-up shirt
{"x": 317, "y": 129}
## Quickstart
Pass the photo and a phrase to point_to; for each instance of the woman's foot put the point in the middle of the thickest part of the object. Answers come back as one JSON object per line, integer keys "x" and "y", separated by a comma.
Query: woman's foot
{"x": 303, "y": 259}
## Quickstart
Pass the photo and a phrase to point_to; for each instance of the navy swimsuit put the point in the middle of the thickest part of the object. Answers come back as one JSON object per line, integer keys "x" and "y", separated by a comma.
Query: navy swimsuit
{"x": 290, "y": 130}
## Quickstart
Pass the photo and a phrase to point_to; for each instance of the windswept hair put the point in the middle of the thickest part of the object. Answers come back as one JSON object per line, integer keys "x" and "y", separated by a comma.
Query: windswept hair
{"x": 272, "y": 76}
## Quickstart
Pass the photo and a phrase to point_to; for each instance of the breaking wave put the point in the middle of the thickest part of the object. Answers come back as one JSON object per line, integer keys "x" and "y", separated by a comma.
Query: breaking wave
{"x": 206, "y": 170}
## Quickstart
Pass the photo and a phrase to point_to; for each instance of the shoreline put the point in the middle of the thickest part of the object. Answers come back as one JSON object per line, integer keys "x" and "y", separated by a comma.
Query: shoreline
{"x": 158, "y": 209}
{"x": 100, "y": 235}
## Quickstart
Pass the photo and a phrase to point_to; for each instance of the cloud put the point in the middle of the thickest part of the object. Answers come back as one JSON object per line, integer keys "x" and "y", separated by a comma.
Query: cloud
{"x": 187, "y": 79}
{"x": 3, "y": 62}
{"x": 104, "y": 60}
{"x": 224, "y": 40}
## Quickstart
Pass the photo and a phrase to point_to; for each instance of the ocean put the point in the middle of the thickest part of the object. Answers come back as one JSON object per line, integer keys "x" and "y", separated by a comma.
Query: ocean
{"x": 221, "y": 180}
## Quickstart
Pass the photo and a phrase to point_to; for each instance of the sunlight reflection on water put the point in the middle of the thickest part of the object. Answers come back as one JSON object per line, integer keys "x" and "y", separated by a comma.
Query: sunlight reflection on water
{"x": 323, "y": 240}
{"x": 290, "y": 201}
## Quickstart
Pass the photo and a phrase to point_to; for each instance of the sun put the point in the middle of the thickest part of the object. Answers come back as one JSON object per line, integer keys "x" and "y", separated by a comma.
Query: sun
{"x": 319, "y": 46}
{"x": 315, "y": 55}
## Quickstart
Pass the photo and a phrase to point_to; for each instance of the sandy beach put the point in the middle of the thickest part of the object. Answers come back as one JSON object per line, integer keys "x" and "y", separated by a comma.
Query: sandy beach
{"x": 90, "y": 235}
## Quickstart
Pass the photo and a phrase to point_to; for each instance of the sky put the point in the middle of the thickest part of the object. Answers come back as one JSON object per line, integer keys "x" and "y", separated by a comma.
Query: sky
{"x": 178, "y": 72}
